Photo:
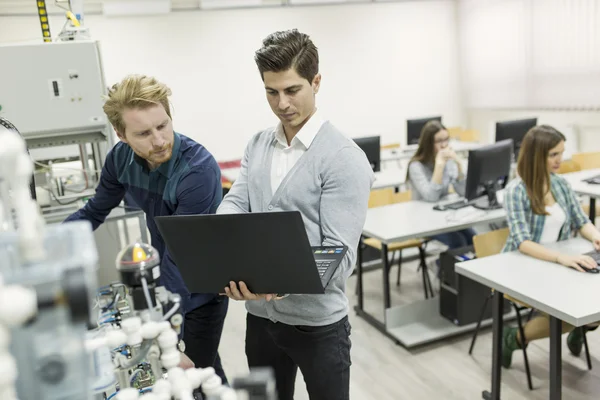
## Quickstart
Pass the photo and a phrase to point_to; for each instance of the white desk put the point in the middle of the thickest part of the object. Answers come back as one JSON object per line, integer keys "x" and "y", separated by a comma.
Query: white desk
{"x": 391, "y": 177}
{"x": 575, "y": 179}
{"x": 408, "y": 220}
{"x": 561, "y": 292}
{"x": 420, "y": 322}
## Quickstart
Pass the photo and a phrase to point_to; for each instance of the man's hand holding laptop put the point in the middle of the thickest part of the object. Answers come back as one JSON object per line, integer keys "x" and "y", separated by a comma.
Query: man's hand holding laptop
{"x": 242, "y": 293}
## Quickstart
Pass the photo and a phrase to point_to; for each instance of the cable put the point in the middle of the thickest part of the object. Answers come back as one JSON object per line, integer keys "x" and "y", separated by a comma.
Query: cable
{"x": 59, "y": 201}
{"x": 147, "y": 293}
{"x": 113, "y": 302}
{"x": 49, "y": 167}
{"x": 134, "y": 375}
{"x": 112, "y": 395}
{"x": 170, "y": 313}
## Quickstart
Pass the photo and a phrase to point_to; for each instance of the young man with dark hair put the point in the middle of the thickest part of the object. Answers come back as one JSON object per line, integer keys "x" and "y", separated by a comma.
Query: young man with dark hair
{"x": 303, "y": 164}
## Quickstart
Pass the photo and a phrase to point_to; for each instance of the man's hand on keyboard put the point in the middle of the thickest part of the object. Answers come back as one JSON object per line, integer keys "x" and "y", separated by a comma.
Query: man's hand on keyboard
{"x": 243, "y": 293}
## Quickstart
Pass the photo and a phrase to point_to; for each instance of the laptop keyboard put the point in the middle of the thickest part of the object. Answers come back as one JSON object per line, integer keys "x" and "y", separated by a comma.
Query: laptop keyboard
{"x": 322, "y": 266}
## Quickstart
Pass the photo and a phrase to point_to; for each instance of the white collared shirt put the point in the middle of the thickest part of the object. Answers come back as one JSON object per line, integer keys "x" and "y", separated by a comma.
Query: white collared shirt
{"x": 284, "y": 156}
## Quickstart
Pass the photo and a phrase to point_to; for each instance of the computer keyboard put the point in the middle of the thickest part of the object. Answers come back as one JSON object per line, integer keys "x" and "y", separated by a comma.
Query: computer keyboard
{"x": 457, "y": 205}
{"x": 322, "y": 266}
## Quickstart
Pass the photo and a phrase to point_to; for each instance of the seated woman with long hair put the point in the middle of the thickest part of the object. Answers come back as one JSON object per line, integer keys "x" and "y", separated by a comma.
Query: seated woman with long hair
{"x": 431, "y": 171}
{"x": 542, "y": 208}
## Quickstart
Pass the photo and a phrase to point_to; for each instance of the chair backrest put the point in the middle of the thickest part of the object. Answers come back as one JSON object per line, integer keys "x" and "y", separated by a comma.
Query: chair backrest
{"x": 384, "y": 197}
{"x": 470, "y": 135}
{"x": 568, "y": 166}
{"x": 454, "y": 132}
{"x": 587, "y": 160}
{"x": 490, "y": 243}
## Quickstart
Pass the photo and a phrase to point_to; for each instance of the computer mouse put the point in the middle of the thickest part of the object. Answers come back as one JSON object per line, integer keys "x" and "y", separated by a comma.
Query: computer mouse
{"x": 593, "y": 270}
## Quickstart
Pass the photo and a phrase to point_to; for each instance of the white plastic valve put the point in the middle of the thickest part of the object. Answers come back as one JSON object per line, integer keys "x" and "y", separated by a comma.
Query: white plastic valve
{"x": 168, "y": 339}
{"x": 17, "y": 305}
{"x": 170, "y": 359}
{"x": 8, "y": 393}
{"x": 131, "y": 326}
{"x": 194, "y": 375}
{"x": 162, "y": 389}
{"x": 150, "y": 330}
{"x": 4, "y": 339}
{"x": 150, "y": 396}
{"x": 212, "y": 385}
{"x": 128, "y": 394}
{"x": 115, "y": 338}
{"x": 180, "y": 385}
{"x": 8, "y": 370}
{"x": 228, "y": 394}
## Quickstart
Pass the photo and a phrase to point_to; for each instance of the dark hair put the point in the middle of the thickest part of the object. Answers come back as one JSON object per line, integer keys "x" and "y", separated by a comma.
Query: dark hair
{"x": 532, "y": 165}
{"x": 283, "y": 50}
{"x": 425, "y": 151}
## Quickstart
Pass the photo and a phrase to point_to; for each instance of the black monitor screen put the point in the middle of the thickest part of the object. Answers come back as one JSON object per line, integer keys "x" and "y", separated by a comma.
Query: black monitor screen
{"x": 514, "y": 130}
{"x": 489, "y": 171}
{"x": 414, "y": 128}
{"x": 372, "y": 147}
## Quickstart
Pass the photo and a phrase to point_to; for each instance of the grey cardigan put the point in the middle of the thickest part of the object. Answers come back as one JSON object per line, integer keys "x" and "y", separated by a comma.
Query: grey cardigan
{"x": 330, "y": 186}
{"x": 419, "y": 176}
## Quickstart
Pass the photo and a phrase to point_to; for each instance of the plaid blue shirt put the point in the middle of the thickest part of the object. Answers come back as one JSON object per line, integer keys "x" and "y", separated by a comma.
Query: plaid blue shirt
{"x": 525, "y": 225}
{"x": 189, "y": 183}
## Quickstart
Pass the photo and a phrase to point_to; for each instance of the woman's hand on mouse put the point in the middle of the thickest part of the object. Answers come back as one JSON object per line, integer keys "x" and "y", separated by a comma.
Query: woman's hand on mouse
{"x": 577, "y": 262}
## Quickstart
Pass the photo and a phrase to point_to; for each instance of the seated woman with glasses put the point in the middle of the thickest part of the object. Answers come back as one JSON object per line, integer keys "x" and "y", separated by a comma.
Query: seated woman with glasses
{"x": 431, "y": 171}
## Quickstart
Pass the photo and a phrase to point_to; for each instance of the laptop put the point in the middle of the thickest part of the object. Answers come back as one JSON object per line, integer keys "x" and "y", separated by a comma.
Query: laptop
{"x": 270, "y": 252}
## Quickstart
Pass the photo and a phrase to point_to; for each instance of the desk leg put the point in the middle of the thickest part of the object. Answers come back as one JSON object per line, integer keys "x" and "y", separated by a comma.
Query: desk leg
{"x": 593, "y": 210}
{"x": 359, "y": 272}
{"x": 386, "y": 278}
{"x": 555, "y": 359}
{"x": 497, "y": 308}
{"x": 380, "y": 326}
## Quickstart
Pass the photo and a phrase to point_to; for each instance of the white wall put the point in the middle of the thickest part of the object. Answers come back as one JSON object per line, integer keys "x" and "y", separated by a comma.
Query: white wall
{"x": 530, "y": 53}
{"x": 381, "y": 64}
{"x": 540, "y": 58}
{"x": 581, "y": 128}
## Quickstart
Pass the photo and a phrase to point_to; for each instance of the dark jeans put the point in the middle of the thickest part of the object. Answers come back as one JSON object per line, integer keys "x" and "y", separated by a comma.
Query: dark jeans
{"x": 455, "y": 240}
{"x": 202, "y": 333}
{"x": 321, "y": 352}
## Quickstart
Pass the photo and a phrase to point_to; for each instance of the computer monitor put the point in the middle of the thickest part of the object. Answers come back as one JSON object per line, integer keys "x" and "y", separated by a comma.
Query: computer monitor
{"x": 515, "y": 130}
{"x": 488, "y": 171}
{"x": 371, "y": 145}
{"x": 415, "y": 126}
